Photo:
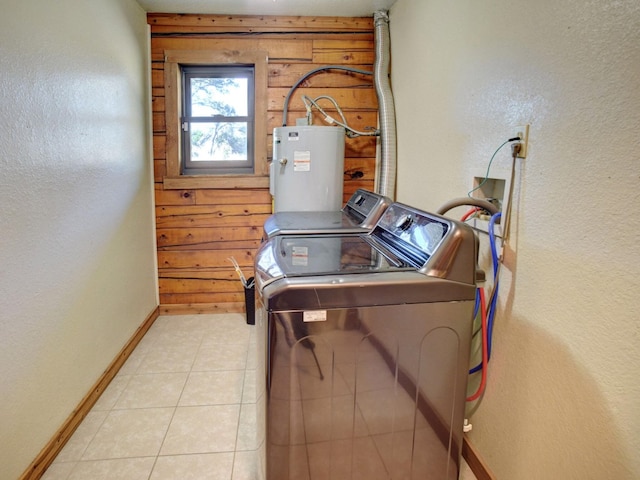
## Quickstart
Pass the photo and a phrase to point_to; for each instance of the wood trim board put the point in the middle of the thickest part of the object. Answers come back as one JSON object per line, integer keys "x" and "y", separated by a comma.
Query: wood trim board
{"x": 46, "y": 456}
{"x": 476, "y": 464}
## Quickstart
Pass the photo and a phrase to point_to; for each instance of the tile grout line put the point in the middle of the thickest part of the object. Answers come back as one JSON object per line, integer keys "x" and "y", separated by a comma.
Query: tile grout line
{"x": 175, "y": 409}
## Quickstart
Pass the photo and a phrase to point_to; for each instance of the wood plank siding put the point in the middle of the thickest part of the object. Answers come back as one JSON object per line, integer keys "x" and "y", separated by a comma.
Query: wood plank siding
{"x": 197, "y": 228}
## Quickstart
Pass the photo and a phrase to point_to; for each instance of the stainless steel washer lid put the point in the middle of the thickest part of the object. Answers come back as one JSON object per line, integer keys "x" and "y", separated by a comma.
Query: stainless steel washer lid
{"x": 308, "y": 223}
{"x": 359, "y": 215}
{"x": 340, "y": 271}
{"x": 350, "y": 272}
{"x": 290, "y": 256}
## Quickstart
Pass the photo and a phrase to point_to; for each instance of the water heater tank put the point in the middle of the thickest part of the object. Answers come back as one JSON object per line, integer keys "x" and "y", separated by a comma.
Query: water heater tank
{"x": 307, "y": 168}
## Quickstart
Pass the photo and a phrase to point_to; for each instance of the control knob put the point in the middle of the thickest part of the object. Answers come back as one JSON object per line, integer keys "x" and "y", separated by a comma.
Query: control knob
{"x": 404, "y": 222}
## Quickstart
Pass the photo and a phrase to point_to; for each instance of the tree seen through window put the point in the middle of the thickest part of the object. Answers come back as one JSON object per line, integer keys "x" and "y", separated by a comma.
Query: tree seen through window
{"x": 219, "y": 97}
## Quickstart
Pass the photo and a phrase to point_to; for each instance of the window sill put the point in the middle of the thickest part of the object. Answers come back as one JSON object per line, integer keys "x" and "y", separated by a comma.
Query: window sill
{"x": 215, "y": 181}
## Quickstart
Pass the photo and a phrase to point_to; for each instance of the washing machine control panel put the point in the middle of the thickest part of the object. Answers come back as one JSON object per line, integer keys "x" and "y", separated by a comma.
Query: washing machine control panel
{"x": 411, "y": 234}
{"x": 364, "y": 204}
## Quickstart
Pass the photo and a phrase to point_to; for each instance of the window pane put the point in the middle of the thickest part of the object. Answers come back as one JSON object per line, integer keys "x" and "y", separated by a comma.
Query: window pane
{"x": 219, "y": 141}
{"x": 219, "y": 96}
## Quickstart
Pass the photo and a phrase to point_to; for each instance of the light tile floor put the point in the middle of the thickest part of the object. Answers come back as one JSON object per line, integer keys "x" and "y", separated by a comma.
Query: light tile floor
{"x": 180, "y": 408}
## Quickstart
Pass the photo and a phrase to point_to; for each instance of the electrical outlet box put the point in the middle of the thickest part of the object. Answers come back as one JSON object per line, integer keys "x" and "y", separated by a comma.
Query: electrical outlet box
{"x": 522, "y": 131}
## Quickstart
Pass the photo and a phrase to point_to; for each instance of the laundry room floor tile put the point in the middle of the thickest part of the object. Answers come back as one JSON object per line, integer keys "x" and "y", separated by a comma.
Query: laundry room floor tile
{"x": 182, "y": 406}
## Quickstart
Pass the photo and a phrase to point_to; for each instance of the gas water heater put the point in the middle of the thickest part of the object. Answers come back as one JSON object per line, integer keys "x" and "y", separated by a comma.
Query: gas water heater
{"x": 307, "y": 168}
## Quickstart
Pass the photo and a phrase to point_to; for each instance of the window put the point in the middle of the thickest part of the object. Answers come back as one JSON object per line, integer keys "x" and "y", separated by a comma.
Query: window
{"x": 215, "y": 116}
{"x": 217, "y": 119}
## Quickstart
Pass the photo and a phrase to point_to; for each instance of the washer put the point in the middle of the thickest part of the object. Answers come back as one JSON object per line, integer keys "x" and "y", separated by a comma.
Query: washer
{"x": 364, "y": 341}
{"x": 359, "y": 215}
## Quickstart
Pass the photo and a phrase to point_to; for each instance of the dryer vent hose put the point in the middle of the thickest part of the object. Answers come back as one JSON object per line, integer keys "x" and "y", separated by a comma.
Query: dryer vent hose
{"x": 386, "y": 182}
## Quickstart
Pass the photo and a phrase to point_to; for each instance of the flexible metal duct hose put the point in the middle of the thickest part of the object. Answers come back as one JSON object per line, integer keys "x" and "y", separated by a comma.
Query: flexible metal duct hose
{"x": 388, "y": 153}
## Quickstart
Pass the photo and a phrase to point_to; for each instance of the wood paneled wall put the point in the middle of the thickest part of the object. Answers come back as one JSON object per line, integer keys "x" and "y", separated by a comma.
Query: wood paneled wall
{"x": 199, "y": 229}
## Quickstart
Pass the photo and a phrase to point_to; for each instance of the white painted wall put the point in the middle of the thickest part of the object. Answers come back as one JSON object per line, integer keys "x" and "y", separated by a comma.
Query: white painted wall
{"x": 77, "y": 257}
{"x": 563, "y": 400}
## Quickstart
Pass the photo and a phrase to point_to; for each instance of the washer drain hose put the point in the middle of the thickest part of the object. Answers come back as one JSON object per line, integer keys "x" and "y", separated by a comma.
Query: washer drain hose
{"x": 468, "y": 201}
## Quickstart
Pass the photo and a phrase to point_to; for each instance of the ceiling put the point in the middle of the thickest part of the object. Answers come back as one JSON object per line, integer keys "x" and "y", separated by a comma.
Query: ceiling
{"x": 312, "y": 8}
